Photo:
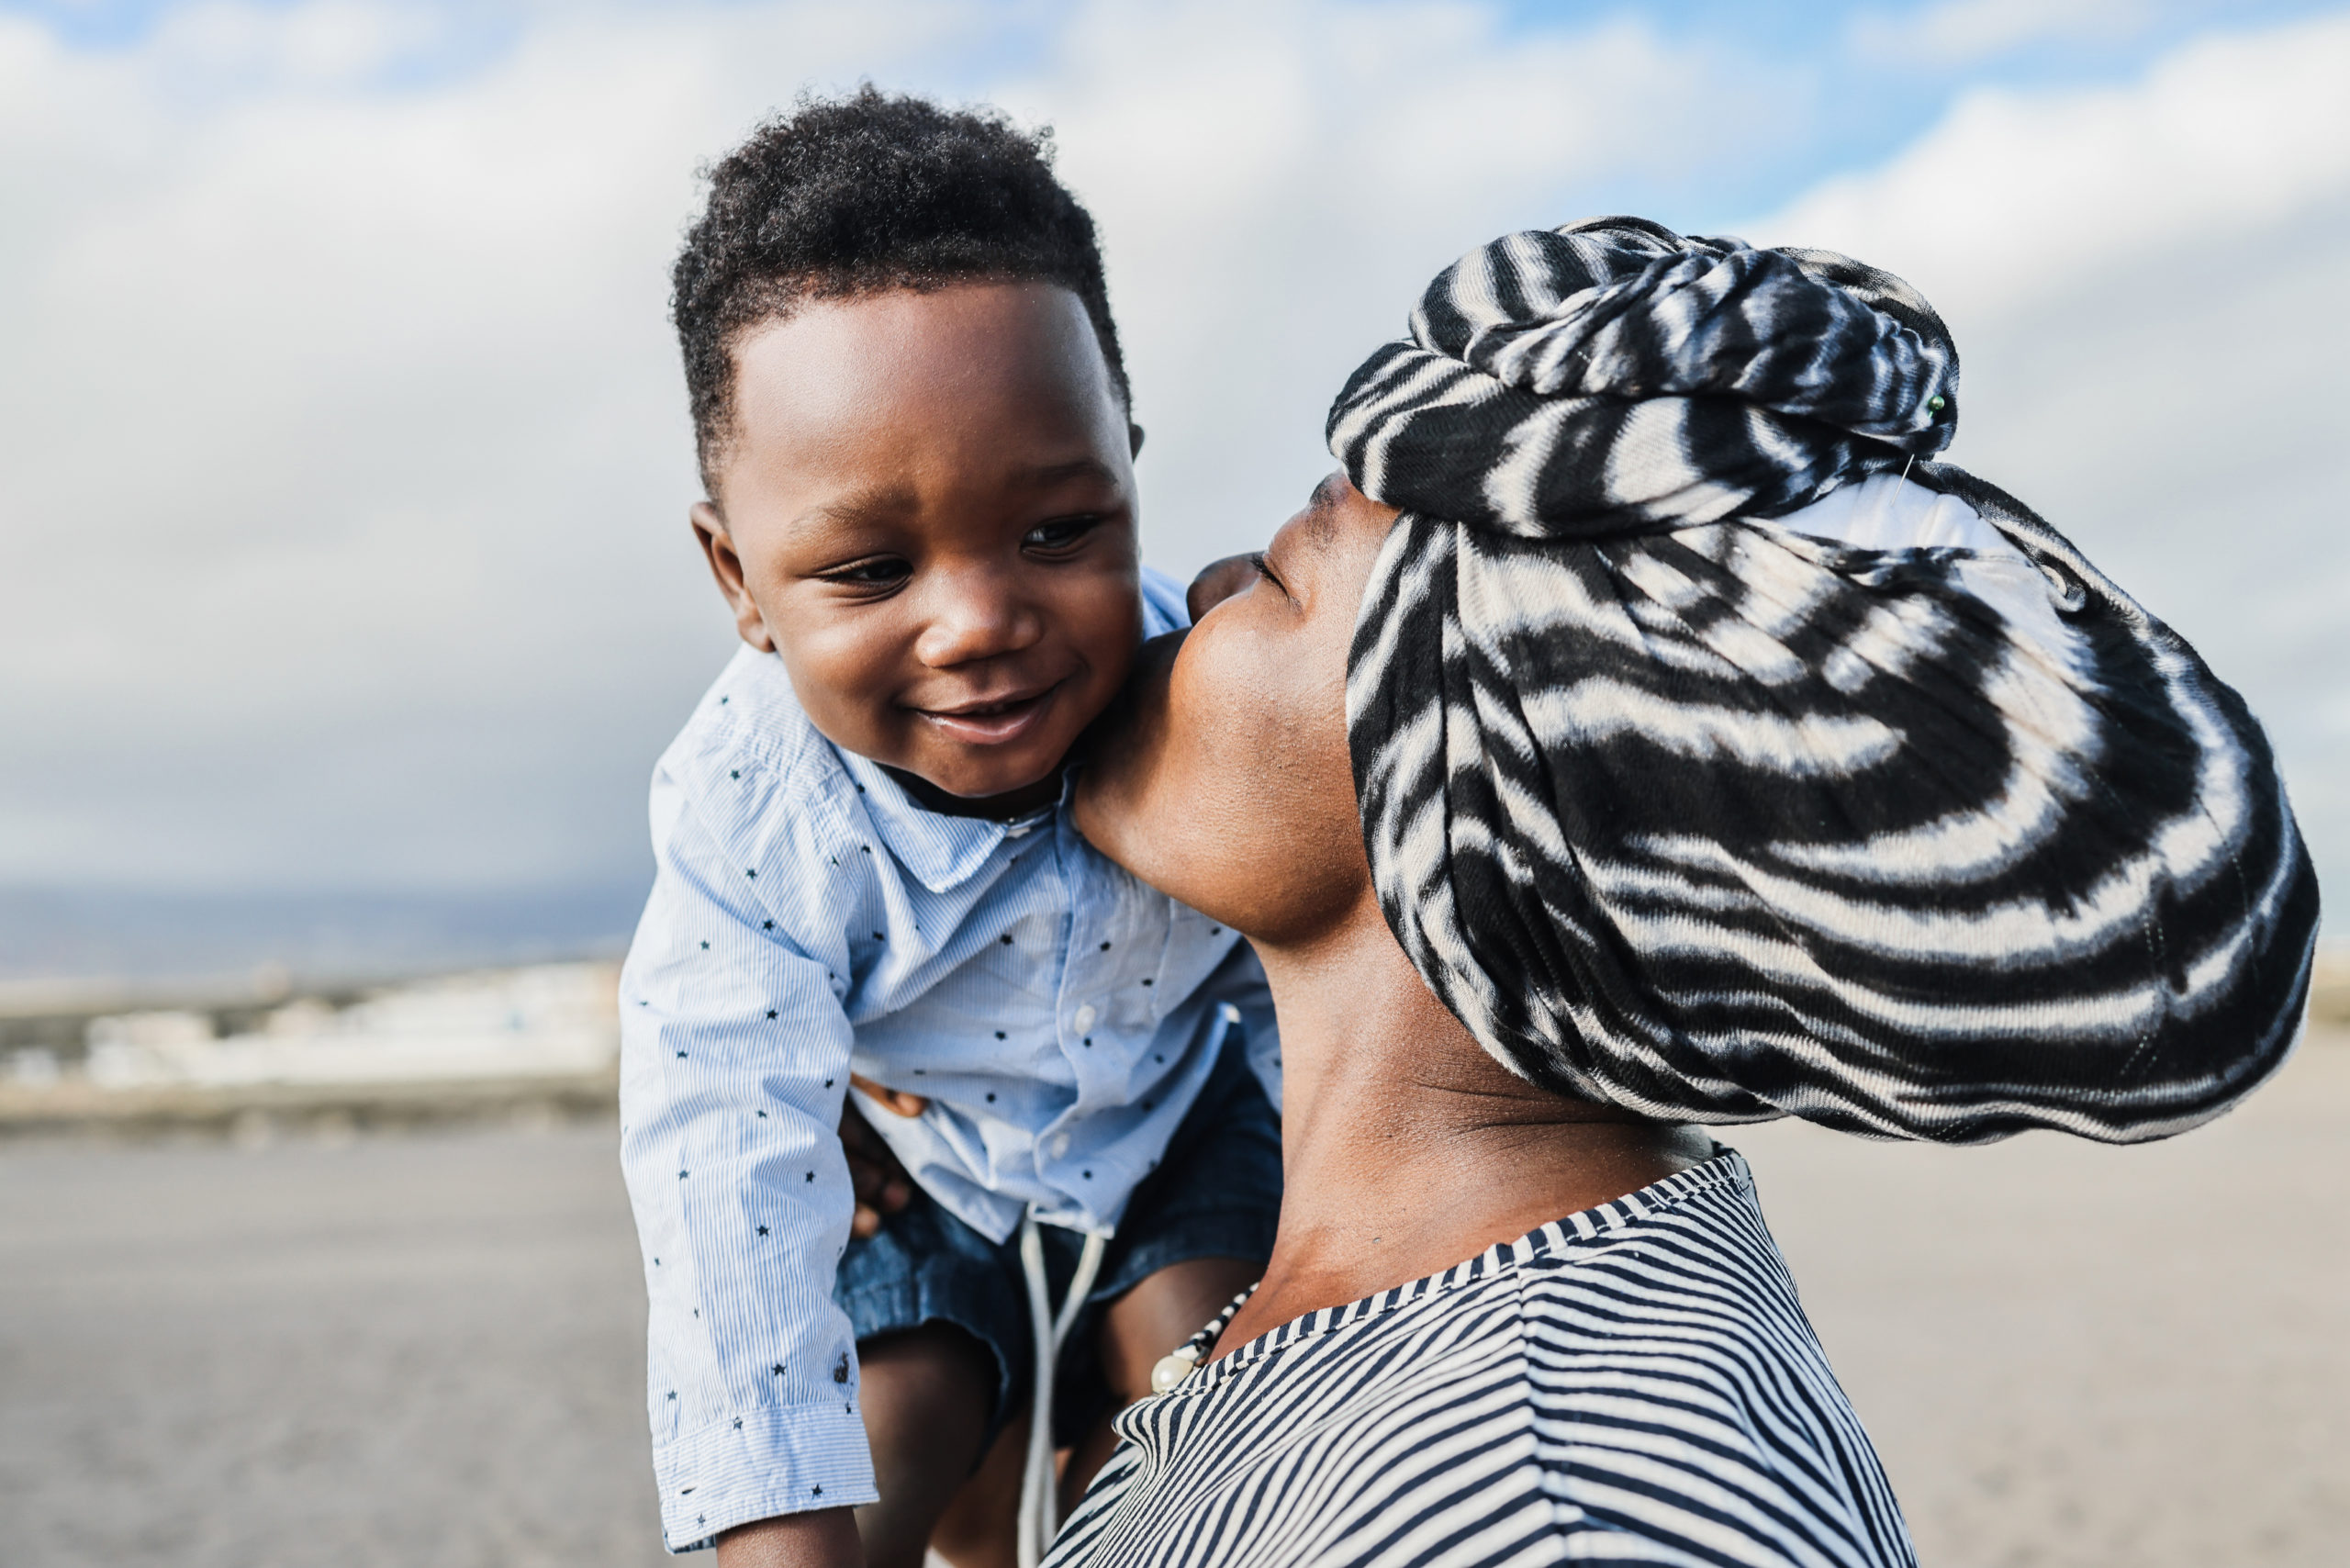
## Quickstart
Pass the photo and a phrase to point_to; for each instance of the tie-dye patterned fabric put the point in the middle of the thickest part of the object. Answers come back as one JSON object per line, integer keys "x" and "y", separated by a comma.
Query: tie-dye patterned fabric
{"x": 1714, "y": 820}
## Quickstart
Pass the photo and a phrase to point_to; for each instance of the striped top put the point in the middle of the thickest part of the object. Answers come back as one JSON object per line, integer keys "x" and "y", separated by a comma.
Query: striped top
{"x": 1634, "y": 1384}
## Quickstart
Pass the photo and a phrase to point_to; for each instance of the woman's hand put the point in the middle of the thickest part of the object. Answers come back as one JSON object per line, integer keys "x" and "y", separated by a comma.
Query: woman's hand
{"x": 880, "y": 1181}
{"x": 824, "y": 1539}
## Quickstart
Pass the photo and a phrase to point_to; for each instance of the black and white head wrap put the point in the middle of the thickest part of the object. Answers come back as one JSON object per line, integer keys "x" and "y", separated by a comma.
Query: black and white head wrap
{"x": 1711, "y": 820}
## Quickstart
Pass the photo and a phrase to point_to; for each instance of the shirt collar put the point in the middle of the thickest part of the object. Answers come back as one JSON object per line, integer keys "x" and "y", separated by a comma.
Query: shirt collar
{"x": 942, "y": 851}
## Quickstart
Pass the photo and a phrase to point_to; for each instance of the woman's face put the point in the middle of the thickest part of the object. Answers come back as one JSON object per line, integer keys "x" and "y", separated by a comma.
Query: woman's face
{"x": 1223, "y": 777}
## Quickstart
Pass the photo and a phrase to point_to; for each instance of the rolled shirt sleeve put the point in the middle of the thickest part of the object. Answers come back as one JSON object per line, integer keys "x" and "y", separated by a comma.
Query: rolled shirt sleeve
{"x": 735, "y": 1063}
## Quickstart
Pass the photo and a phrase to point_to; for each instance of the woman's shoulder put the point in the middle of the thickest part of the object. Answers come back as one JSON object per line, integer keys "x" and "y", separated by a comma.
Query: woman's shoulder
{"x": 1691, "y": 1251}
{"x": 1637, "y": 1373}
{"x": 1670, "y": 1366}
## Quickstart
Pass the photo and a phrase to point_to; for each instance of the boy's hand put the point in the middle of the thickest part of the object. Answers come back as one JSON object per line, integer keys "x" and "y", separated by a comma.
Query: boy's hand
{"x": 874, "y": 1173}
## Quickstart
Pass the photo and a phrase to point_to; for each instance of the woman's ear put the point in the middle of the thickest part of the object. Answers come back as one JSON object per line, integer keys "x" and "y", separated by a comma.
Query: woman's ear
{"x": 718, "y": 549}
{"x": 1134, "y": 439}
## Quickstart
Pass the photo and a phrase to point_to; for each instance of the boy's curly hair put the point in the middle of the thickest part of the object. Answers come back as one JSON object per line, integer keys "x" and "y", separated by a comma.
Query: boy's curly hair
{"x": 858, "y": 195}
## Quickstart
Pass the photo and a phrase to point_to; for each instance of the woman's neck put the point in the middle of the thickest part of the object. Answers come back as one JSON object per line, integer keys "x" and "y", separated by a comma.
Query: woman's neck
{"x": 1405, "y": 1146}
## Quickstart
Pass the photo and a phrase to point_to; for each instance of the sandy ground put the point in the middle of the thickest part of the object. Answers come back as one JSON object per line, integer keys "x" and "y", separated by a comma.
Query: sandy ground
{"x": 2071, "y": 1355}
{"x": 424, "y": 1349}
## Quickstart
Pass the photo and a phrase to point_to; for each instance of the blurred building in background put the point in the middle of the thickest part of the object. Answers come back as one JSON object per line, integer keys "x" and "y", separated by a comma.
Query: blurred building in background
{"x": 542, "y": 1034}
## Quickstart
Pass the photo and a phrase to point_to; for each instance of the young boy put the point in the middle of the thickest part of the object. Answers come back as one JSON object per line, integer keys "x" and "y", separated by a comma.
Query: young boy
{"x": 912, "y": 422}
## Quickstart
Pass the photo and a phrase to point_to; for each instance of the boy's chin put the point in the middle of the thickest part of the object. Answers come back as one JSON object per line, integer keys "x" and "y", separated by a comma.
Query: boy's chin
{"x": 1001, "y": 787}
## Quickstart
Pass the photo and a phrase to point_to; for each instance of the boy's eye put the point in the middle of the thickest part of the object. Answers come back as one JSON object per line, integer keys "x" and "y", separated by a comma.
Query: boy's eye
{"x": 1060, "y": 533}
{"x": 881, "y": 571}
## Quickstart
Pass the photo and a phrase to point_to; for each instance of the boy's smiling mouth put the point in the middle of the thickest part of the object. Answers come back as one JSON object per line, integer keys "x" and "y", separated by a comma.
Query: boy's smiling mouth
{"x": 995, "y": 720}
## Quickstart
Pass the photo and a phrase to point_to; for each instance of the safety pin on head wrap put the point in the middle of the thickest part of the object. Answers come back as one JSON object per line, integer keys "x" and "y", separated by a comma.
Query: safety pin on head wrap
{"x": 1934, "y": 406}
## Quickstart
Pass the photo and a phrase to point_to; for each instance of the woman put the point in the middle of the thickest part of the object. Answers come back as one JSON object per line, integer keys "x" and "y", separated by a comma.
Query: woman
{"x": 1635, "y": 736}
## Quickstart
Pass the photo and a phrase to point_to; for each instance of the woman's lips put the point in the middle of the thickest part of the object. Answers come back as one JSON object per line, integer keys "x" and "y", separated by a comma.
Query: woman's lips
{"x": 998, "y": 722}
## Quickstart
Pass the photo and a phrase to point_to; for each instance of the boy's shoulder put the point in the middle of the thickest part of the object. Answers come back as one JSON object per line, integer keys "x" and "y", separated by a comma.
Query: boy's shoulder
{"x": 1164, "y": 605}
{"x": 751, "y": 798}
{"x": 751, "y": 717}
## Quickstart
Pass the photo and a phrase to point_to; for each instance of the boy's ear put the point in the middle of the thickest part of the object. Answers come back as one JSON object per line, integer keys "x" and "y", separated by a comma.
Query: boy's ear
{"x": 718, "y": 549}
{"x": 1134, "y": 439}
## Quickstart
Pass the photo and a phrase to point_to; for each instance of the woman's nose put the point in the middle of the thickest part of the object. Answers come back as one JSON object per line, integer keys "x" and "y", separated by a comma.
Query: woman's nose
{"x": 1218, "y": 581}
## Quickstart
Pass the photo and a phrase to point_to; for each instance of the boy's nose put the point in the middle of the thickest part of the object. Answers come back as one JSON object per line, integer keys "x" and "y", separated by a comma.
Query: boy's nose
{"x": 977, "y": 618}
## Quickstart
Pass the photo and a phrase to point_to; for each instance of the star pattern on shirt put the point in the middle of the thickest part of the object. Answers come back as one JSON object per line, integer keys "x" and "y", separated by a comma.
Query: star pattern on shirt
{"x": 818, "y": 916}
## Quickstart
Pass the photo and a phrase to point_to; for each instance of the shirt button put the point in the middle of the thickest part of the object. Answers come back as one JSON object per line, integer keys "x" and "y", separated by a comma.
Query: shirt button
{"x": 1084, "y": 1019}
{"x": 1061, "y": 1145}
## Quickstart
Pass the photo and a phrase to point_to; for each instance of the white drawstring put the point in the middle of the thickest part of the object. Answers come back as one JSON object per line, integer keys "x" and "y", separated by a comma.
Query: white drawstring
{"x": 1039, "y": 1491}
{"x": 1039, "y": 1516}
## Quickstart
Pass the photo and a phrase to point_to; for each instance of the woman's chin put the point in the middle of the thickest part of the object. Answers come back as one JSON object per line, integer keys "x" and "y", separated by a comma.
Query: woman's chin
{"x": 1106, "y": 808}
{"x": 1122, "y": 754}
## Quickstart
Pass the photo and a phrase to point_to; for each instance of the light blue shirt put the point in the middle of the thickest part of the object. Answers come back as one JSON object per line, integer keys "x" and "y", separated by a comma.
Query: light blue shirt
{"x": 807, "y": 919}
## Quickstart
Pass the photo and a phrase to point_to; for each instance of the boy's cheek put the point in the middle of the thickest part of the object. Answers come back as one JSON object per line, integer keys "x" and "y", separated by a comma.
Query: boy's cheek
{"x": 843, "y": 688}
{"x": 1108, "y": 625}
{"x": 879, "y": 731}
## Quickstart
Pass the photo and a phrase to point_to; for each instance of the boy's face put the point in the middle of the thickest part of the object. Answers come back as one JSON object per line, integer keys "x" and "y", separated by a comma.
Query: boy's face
{"x": 928, "y": 511}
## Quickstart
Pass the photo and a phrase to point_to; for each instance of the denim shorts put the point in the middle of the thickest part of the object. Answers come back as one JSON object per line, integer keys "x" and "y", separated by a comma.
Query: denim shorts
{"x": 1217, "y": 1193}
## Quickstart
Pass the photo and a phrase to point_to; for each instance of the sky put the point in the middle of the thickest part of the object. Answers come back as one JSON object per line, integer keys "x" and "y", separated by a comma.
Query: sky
{"x": 344, "y": 458}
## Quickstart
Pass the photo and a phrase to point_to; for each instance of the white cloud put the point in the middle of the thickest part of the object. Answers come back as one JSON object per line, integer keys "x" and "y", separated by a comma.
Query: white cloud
{"x": 1956, "y": 32}
{"x": 341, "y": 501}
{"x": 2016, "y": 196}
{"x": 1277, "y": 183}
{"x": 342, "y": 452}
{"x": 324, "y": 43}
{"x": 2145, "y": 285}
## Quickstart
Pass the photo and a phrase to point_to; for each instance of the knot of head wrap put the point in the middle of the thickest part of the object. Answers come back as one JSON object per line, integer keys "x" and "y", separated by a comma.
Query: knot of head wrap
{"x": 1679, "y": 809}
{"x": 1612, "y": 375}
